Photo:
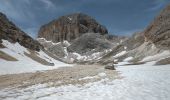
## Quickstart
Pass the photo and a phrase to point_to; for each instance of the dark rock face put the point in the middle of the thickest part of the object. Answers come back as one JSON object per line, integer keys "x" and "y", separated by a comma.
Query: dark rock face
{"x": 89, "y": 42}
{"x": 12, "y": 33}
{"x": 70, "y": 27}
{"x": 158, "y": 31}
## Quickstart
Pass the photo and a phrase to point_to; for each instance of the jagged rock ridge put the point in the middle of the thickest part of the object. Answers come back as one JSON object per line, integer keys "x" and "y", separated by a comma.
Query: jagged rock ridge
{"x": 12, "y": 33}
{"x": 158, "y": 31}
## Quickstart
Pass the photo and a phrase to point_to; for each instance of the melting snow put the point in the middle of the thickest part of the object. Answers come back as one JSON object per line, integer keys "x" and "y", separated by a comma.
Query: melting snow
{"x": 140, "y": 82}
{"x": 128, "y": 59}
{"x": 120, "y": 54}
{"x": 94, "y": 56}
{"x": 24, "y": 63}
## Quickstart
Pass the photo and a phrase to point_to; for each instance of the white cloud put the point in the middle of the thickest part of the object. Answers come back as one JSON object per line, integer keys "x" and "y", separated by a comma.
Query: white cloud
{"x": 19, "y": 13}
{"x": 48, "y": 4}
{"x": 15, "y": 11}
{"x": 157, "y": 5}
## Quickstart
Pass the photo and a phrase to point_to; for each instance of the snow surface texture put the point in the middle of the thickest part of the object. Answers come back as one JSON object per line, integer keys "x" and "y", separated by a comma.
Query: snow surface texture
{"x": 24, "y": 63}
{"x": 139, "y": 82}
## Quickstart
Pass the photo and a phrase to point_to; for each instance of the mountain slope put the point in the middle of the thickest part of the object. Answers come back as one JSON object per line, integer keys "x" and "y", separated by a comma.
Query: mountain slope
{"x": 19, "y": 53}
{"x": 10, "y": 32}
{"x": 158, "y": 32}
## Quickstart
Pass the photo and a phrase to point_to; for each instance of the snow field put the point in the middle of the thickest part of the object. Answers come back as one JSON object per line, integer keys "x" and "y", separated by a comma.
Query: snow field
{"x": 139, "y": 82}
{"x": 24, "y": 63}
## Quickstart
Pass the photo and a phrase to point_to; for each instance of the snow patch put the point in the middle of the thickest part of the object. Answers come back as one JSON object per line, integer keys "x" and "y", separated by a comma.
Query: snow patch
{"x": 120, "y": 54}
{"x": 24, "y": 63}
{"x": 102, "y": 74}
{"x": 94, "y": 56}
{"x": 128, "y": 59}
{"x": 69, "y": 18}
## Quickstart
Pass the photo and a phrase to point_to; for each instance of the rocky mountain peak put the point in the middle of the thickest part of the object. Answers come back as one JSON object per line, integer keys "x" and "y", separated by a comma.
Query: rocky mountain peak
{"x": 70, "y": 27}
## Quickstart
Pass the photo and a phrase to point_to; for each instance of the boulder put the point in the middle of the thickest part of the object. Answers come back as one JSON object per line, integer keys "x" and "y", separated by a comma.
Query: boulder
{"x": 110, "y": 67}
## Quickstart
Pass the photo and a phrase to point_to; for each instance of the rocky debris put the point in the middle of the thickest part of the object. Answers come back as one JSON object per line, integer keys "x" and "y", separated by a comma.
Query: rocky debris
{"x": 134, "y": 41}
{"x": 10, "y": 32}
{"x": 61, "y": 76}
{"x": 90, "y": 43}
{"x": 117, "y": 40}
{"x": 58, "y": 49}
{"x": 110, "y": 67}
{"x": 158, "y": 31}
{"x": 163, "y": 61}
{"x": 70, "y": 27}
{"x": 105, "y": 62}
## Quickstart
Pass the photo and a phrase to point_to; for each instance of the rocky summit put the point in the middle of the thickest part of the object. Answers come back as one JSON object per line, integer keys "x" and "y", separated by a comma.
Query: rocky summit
{"x": 158, "y": 31}
{"x": 70, "y": 27}
{"x": 10, "y": 32}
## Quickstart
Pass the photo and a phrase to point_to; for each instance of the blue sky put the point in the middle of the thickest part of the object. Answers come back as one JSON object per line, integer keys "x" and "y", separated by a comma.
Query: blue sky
{"x": 121, "y": 17}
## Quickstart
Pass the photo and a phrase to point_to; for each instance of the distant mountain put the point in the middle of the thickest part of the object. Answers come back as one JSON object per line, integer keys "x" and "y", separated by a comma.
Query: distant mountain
{"x": 70, "y": 27}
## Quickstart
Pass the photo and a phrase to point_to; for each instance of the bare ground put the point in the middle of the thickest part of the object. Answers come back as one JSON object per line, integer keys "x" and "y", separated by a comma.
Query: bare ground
{"x": 62, "y": 76}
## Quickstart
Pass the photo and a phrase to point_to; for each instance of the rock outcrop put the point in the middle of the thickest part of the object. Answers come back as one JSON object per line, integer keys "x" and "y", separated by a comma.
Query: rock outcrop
{"x": 158, "y": 32}
{"x": 70, "y": 27}
{"x": 10, "y": 32}
{"x": 57, "y": 49}
{"x": 90, "y": 42}
{"x": 136, "y": 40}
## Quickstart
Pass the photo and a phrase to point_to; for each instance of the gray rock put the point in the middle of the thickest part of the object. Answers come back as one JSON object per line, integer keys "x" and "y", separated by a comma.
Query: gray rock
{"x": 58, "y": 50}
{"x": 88, "y": 42}
{"x": 110, "y": 67}
{"x": 165, "y": 61}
